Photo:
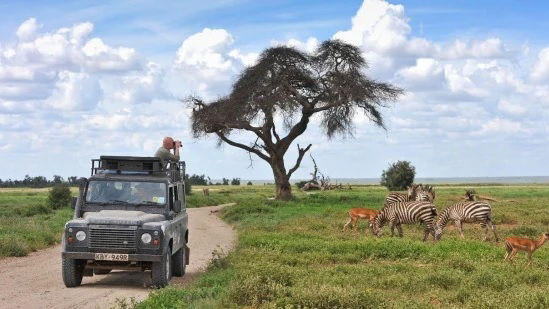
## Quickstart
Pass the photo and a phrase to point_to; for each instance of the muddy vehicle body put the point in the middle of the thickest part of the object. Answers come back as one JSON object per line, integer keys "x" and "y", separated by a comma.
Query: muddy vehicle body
{"x": 129, "y": 215}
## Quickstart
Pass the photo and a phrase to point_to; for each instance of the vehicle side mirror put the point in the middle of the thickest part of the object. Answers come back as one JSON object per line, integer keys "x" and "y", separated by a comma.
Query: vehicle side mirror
{"x": 74, "y": 199}
{"x": 177, "y": 206}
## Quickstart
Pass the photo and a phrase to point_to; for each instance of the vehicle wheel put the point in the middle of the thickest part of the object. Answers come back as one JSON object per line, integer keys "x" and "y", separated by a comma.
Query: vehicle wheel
{"x": 101, "y": 271}
{"x": 179, "y": 264}
{"x": 72, "y": 270}
{"x": 162, "y": 271}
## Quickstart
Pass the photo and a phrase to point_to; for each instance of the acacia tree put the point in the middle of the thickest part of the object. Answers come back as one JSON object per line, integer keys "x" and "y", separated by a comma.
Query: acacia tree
{"x": 293, "y": 86}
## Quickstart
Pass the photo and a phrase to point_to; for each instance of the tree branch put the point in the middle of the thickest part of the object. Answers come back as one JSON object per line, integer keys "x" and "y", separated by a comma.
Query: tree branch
{"x": 275, "y": 134}
{"x": 295, "y": 131}
{"x": 301, "y": 152}
{"x": 242, "y": 146}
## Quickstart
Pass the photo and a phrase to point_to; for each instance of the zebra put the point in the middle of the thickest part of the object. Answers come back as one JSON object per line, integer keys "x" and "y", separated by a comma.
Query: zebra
{"x": 468, "y": 212}
{"x": 395, "y": 197}
{"x": 425, "y": 193}
{"x": 406, "y": 212}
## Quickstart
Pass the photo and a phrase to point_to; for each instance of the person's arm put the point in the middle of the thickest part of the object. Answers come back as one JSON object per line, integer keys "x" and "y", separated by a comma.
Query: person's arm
{"x": 176, "y": 149}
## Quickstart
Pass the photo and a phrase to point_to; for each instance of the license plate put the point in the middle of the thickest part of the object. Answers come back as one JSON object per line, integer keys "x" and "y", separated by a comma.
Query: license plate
{"x": 111, "y": 257}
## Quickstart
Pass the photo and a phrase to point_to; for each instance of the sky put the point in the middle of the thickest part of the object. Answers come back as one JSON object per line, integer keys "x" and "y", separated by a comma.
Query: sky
{"x": 82, "y": 79}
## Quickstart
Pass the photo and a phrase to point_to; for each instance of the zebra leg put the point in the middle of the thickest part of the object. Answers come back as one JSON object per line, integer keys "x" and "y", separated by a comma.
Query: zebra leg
{"x": 426, "y": 232}
{"x": 493, "y": 227}
{"x": 392, "y": 228}
{"x": 399, "y": 228}
{"x": 460, "y": 228}
{"x": 485, "y": 227}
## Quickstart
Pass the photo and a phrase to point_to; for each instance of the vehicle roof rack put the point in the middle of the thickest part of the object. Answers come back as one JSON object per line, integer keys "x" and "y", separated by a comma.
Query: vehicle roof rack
{"x": 126, "y": 165}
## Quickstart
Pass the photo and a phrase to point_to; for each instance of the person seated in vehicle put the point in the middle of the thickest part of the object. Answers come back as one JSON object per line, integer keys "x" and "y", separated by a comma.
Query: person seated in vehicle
{"x": 164, "y": 152}
{"x": 140, "y": 194}
{"x": 147, "y": 193}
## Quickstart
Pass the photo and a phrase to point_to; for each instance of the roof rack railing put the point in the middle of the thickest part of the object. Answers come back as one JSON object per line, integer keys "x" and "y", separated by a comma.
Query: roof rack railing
{"x": 137, "y": 165}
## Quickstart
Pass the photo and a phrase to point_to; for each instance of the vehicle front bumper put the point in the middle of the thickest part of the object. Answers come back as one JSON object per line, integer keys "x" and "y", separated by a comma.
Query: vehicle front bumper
{"x": 131, "y": 257}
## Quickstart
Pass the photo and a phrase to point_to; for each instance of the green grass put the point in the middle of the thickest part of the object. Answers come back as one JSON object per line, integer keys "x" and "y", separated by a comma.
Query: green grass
{"x": 294, "y": 255}
{"x": 27, "y": 223}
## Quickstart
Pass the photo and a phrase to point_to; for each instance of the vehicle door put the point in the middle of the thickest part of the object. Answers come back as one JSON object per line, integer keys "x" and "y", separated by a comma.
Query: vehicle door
{"x": 180, "y": 219}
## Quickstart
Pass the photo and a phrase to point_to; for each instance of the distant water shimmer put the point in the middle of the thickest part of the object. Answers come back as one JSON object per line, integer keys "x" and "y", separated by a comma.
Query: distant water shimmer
{"x": 455, "y": 180}
{"x": 438, "y": 180}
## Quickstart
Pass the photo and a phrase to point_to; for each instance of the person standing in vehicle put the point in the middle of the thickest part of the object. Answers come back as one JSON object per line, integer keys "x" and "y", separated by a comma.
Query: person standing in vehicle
{"x": 164, "y": 152}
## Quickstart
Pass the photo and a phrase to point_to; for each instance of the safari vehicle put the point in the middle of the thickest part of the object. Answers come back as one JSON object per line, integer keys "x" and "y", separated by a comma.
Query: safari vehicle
{"x": 129, "y": 215}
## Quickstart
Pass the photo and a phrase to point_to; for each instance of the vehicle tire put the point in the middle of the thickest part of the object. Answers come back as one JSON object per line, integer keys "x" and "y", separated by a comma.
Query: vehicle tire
{"x": 72, "y": 270}
{"x": 179, "y": 264}
{"x": 162, "y": 271}
{"x": 101, "y": 271}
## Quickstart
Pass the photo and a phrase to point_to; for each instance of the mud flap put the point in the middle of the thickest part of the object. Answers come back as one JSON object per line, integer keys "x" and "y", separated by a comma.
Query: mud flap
{"x": 88, "y": 272}
{"x": 187, "y": 254}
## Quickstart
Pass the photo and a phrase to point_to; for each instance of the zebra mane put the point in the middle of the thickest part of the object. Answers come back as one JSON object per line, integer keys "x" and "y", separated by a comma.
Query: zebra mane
{"x": 443, "y": 217}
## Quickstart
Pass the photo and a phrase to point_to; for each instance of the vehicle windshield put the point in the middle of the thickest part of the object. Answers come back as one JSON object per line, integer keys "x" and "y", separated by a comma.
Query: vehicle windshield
{"x": 126, "y": 192}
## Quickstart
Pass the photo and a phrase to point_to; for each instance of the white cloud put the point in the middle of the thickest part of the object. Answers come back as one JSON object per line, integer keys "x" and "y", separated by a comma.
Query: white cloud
{"x": 27, "y": 30}
{"x": 489, "y": 48}
{"x": 427, "y": 73}
{"x": 501, "y": 126}
{"x": 309, "y": 46}
{"x": 511, "y": 108}
{"x": 205, "y": 50}
{"x": 141, "y": 87}
{"x": 75, "y": 91}
{"x": 540, "y": 72}
{"x": 207, "y": 64}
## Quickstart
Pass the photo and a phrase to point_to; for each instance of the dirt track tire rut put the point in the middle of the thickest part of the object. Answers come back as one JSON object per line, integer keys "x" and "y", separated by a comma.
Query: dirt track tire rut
{"x": 35, "y": 281}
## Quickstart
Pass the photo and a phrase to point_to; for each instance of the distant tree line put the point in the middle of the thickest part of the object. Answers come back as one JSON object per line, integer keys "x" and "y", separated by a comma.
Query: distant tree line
{"x": 38, "y": 182}
{"x": 43, "y": 182}
{"x": 203, "y": 180}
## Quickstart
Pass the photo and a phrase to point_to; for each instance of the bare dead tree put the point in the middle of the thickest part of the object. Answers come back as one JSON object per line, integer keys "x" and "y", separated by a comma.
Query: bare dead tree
{"x": 292, "y": 85}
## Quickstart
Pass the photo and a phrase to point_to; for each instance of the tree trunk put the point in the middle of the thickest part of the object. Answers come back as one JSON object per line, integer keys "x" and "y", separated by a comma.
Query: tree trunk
{"x": 282, "y": 181}
{"x": 283, "y": 189}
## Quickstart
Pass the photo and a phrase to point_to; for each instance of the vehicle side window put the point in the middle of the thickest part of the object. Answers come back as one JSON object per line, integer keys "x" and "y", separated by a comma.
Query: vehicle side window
{"x": 175, "y": 195}
{"x": 181, "y": 192}
{"x": 171, "y": 197}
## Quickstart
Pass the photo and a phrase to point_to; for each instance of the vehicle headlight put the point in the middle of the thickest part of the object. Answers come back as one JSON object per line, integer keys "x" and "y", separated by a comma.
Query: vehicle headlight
{"x": 146, "y": 238}
{"x": 81, "y": 235}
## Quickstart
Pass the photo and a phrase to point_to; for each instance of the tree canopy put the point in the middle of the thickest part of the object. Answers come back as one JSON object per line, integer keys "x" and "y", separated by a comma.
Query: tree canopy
{"x": 292, "y": 85}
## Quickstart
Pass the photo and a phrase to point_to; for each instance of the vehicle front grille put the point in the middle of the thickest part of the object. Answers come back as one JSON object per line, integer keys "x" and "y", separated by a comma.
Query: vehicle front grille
{"x": 109, "y": 237}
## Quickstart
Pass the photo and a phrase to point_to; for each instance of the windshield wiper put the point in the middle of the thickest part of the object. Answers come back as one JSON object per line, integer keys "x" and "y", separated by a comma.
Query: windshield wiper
{"x": 148, "y": 203}
{"x": 116, "y": 202}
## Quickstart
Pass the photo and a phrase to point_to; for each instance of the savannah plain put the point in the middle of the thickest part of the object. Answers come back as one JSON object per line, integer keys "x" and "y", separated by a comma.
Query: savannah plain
{"x": 294, "y": 254}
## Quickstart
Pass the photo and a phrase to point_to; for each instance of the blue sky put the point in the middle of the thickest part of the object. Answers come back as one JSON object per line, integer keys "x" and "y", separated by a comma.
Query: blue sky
{"x": 80, "y": 79}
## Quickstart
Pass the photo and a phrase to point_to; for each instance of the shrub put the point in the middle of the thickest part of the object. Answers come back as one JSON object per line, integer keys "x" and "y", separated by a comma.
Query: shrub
{"x": 398, "y": 176}
{"x": 32, "y": 210}
{"x": 235, "y": 182}
{"x": 188, "y": 185}
{"x": 59, "y": 196}
{"x": 198, "y": 180}
{"x": 250, "y": 183}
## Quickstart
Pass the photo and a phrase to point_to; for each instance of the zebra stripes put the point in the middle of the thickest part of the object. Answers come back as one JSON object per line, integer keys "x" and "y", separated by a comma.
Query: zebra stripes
{"x": 425, "y": 193}
{"x": 396, "y": 197}
{"x": 466, "y": 212}
{"x": 400, "y": 213}
{"x": 415, "y": 192}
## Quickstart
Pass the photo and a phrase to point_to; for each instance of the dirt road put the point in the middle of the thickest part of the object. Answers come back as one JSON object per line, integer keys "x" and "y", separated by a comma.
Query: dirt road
{"x": 35, "y": 281}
